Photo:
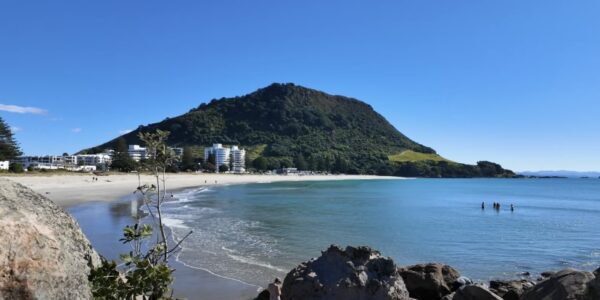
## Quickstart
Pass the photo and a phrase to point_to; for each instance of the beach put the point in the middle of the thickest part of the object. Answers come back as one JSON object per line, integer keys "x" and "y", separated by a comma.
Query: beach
{"x": 68, "y": 190}
{"x": 88, "y": 200}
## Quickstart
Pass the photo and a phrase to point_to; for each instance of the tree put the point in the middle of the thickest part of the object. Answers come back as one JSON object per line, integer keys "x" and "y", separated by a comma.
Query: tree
{"x": 121, "y": 160}
{"x": 187, "y": 160}
{"x": 144, "y": 272}
{"x": 9, "y": 149}
{"x": 16, "y": 168}
{"x": 223, "y": 168}
{"x": 300, "y": 162}
{"x": 260, "y": 163}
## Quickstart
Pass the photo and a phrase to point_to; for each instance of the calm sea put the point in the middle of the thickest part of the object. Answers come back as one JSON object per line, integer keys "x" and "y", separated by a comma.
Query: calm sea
{"x": 254, "y": 232}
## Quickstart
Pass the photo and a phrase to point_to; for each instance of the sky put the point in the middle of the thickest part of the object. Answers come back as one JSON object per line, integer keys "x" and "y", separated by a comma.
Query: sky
{"x": 514, "y": 82}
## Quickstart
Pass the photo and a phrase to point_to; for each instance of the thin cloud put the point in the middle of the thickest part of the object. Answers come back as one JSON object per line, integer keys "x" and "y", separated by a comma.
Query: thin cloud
{"x": 76, "y": 130}
{"x": 125, "y": 131}
{"x": 16, "y": 129}
{"x": 22, "y": 109}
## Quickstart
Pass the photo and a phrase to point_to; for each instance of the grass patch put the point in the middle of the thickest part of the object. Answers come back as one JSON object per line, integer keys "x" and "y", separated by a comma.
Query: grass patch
{"x": 252, "y": 152}
{"x": 409, "y": 155}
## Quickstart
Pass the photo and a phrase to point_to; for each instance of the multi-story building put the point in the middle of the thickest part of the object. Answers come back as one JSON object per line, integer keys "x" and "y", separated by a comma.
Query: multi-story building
{"x": 46, "y": 162}
{"x": 221, "y": 155}
{"x": 238, "y": 160}
{"x": 137, "y": 153}
{"x": 93, "y": 159}
{"x": 233, "y": 157}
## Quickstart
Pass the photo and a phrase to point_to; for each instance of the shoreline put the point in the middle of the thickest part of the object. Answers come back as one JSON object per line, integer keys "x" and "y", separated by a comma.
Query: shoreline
{"x": 78, "y": 190}
{"x": 70, "y": 190}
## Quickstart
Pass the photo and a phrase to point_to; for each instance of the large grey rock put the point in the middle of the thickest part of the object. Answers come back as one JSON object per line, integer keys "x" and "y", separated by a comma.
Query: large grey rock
{"x": 345, "y": 274}
{"x": 568, "y": 284}
{"x": 474, "y": 292}
{"x": 510, "y": 290}
{"x": 429, "y": 281}
{"x": 43, "y": 253}
{"x": 593, "y": 287}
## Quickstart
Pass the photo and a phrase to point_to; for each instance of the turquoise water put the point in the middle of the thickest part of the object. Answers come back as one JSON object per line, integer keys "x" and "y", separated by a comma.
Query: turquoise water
{"x": 255, "y": 232}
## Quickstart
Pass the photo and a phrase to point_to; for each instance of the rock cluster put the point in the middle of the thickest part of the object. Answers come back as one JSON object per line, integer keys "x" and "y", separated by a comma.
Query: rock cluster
{"x": 43, "y": 253}
{"x": 362, "y": 273}
{"x": 429, "y": 281}
{"x": 350, "y": 273}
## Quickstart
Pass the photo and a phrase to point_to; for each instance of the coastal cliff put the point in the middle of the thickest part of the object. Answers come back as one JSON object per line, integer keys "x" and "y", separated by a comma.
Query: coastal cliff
{"x": 43, "y": 252}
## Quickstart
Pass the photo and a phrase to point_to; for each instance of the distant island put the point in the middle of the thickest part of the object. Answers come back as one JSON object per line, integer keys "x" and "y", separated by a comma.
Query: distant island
{"x": 560, "y": 174}
{"x": 286, "y": 125}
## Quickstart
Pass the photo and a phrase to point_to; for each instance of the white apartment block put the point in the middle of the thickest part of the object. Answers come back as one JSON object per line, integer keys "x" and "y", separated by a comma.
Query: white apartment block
{"x": 93, "y": 159}
{"x": 137, "y": 153}
{"x": 46, "y": 162}
{"x": 227, "y": 156}
{"x": 4, "y": 164}
{"x": 221, "y": 155}
{"x": 238, "y": 160}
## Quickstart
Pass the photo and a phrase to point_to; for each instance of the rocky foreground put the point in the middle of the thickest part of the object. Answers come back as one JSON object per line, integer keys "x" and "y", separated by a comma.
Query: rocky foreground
{"x": 363, "y": 273}
{"x": 43, "y": 253}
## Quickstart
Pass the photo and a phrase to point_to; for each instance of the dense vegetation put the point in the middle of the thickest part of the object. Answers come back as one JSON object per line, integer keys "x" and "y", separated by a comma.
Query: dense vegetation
{"x": 9, "y": 149}
{"x": 284, "y": 125}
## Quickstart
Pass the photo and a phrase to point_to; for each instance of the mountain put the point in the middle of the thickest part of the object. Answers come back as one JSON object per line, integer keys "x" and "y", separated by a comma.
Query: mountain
{"x": 290, "y": 125}
{"x": 560, "y": 173}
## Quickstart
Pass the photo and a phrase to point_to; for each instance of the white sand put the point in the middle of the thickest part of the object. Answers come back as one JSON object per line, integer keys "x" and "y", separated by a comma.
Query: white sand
{"x": 67, "y": 190}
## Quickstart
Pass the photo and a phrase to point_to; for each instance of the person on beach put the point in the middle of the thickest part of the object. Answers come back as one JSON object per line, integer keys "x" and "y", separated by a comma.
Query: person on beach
{"x": 275, "y": 290}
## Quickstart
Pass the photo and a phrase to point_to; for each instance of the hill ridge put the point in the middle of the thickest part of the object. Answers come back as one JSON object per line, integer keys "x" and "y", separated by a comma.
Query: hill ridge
{"x": 291, "y": 123}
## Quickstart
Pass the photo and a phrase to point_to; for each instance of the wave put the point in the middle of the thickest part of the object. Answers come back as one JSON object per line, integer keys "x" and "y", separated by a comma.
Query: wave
{"x": 250, "y": 261}
{"x": 258, "y": 288}
{"x": 174, "y": 223}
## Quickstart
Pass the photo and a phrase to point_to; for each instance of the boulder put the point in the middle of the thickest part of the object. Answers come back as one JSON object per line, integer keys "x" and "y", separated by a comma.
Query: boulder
{"x": 43, "y": 253}
{"x": 593, "y": 287}
{"x": 263, "y": 295}
{"x": 460, "y": 282}
{"x": 510, "y": 290}
{"x": 568, "y": 284}
{"x": 429, "y": 281}
{"x": 351, "y": 273}
{"x": 474, "y": 292}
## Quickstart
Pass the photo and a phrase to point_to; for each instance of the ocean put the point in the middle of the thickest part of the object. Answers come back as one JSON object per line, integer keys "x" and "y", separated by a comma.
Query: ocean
{"x": 255, "y": 232}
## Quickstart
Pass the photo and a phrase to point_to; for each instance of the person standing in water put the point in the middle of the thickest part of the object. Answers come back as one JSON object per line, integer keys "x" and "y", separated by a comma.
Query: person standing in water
{"x": 512, "y": 208}
{"x": 275, "y": 290}
{"x": 482, "y": 205}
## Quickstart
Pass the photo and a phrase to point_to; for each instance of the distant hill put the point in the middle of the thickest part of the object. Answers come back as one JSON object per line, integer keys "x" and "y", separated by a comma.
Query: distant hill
{"x": 290, "y": 125}
{"x": 561, "y": 173}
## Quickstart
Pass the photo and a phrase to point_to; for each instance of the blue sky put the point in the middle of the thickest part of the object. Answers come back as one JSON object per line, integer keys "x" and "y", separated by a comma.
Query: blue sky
{"x": 515, "y": 82}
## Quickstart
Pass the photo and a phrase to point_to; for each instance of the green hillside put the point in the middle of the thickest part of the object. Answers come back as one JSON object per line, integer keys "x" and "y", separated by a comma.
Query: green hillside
{"x": 289, "y": 125}
{"x": 410, "y": 156}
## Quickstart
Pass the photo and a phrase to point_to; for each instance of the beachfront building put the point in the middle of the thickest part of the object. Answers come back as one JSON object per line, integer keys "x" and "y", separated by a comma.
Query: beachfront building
{"x": 234, "y": 157}
{"x": 238, "y": 160}
{"x": 49, "y": 162}
{"x": 221, "y": 155}
{"x": 93, "y": 159}
{"x": 4, "y": 164}
{"x": 137, "y": 153}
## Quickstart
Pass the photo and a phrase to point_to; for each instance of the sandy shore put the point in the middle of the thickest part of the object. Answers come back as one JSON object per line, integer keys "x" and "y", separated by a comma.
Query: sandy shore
{"x": 68, "y": 190}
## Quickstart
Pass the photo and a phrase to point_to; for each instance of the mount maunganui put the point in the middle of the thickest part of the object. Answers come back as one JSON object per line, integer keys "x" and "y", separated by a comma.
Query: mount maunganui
{"x": 290, "y": 125}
